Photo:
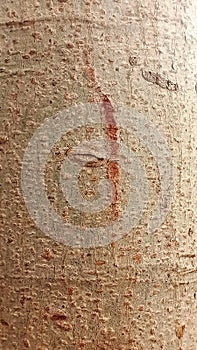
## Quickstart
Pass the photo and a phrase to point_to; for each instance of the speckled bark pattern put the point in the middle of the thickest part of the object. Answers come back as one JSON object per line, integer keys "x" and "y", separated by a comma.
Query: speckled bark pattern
{"x": 139, "y": 293}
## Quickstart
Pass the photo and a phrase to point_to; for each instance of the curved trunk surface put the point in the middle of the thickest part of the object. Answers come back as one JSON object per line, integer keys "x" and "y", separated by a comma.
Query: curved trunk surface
{"x": 99, "y": 208}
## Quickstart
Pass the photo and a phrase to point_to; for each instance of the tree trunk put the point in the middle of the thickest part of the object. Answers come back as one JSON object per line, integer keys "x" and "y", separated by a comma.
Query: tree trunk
{"x": 113, "y": 264}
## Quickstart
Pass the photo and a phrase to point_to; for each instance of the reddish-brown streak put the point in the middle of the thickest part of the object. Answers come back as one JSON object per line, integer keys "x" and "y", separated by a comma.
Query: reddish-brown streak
{"x": 89, "y": 70}
{"x": 113, "y": 166}
{"x": 111, "y": 131}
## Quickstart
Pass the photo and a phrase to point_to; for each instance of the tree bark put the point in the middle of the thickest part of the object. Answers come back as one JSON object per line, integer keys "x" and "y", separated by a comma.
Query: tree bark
{"x": 138, "y": 291}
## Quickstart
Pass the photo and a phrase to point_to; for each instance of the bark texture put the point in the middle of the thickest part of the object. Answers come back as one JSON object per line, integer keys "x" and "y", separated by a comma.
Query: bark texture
{"x": 139, "y": 293}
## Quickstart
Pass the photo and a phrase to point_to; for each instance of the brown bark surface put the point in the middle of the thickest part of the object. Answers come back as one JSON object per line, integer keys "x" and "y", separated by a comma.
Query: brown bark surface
{"x": 139, "y": 292}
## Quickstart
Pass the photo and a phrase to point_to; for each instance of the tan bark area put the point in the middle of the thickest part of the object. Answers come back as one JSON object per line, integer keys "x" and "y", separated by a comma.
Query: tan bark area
{"x": 138, "y": 293}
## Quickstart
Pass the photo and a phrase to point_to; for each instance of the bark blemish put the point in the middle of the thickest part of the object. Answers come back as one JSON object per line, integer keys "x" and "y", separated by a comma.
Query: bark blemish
{"x": 156, "y": 78}
{"x": 180, "y": 331}
{"x": 58, "y": 317}
{"x": 112, "y": 132}
{"x": 4, "y": 323}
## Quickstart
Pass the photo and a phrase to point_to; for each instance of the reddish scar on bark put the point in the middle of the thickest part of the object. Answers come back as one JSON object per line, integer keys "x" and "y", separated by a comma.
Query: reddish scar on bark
{"x": 112, "y": 131}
